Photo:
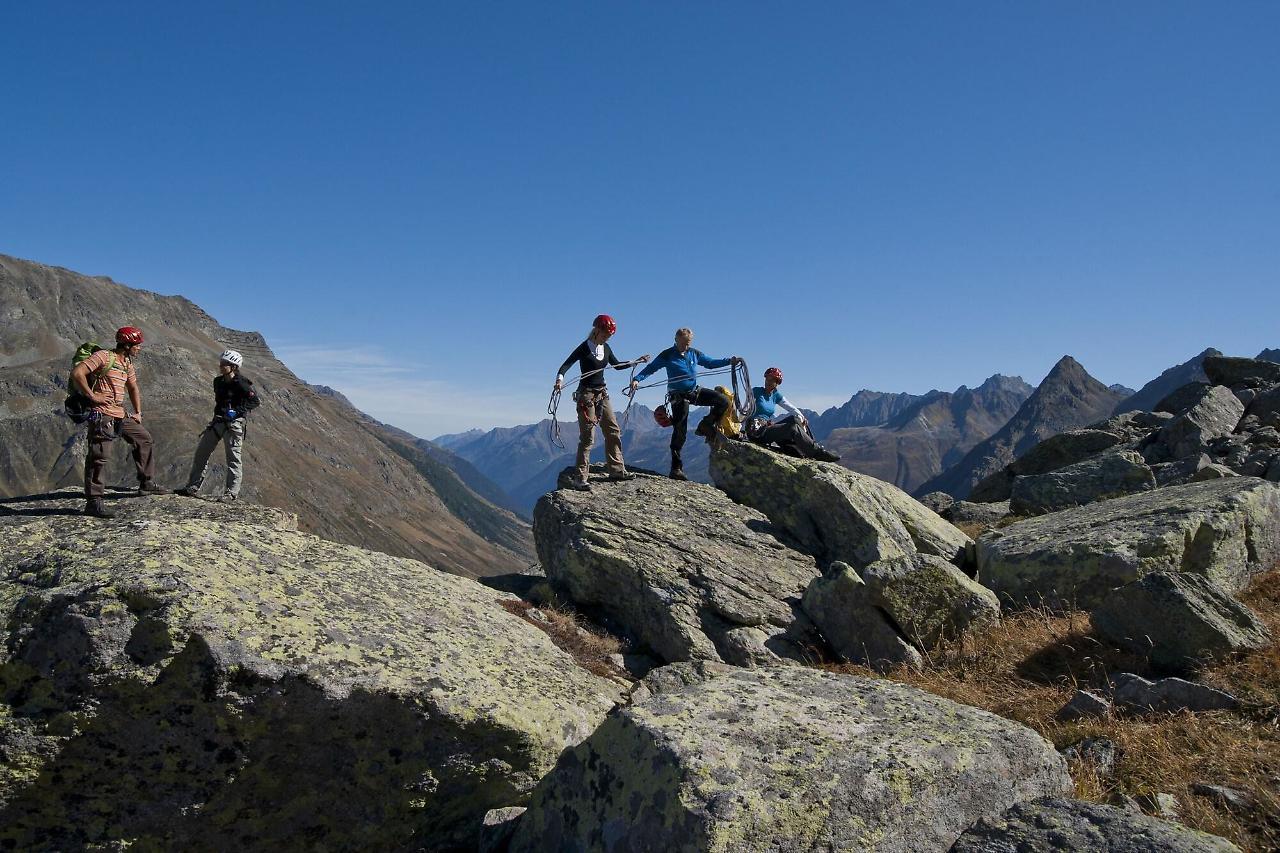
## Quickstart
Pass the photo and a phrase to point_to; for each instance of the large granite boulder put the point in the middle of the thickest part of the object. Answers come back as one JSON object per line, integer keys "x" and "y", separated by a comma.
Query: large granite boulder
{"x": 1110, "y": 475}
{"x": 1227, "y": 530}
{"x": 971, "y": 513}
{"x": 679, "y": 567}
{"x": 1063, "y": 449}
{"x": 1247, "y": 372}
{"x": 788, "y": 758}
{"x": 834, "y": 513}
{"x": 1266, "y": 408}
{"x": 202, "y": 676}
{"x": 1180, "y": 619}
{"x": 1181, "y": 399}
{"x": 1214, "y": 414}
{"x": 840, "y": 604}
{"x": 1055, "y": 825}
{"x": 928, "y": 598}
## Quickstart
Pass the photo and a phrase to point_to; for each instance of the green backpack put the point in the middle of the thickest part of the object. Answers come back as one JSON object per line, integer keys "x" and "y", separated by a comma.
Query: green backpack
{"x": 77, "y": 406}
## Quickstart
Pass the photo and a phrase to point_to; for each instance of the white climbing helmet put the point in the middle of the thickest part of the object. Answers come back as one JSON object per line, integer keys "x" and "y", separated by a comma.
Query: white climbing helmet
{"x": 232, "y": 357}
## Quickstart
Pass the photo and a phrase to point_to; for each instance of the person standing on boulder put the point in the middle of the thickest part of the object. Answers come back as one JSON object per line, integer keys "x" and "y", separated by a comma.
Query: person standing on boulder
{"x": 681, "y": 362}
{"x": 594, "y": 355}
{"x": 233, "y": 400}
{"x": 789, "y": 431}
{"x": 114, "y": 375}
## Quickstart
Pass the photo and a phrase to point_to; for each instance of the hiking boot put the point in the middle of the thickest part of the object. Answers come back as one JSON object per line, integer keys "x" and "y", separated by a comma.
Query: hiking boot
{"x": 678, "y": 474}
{"x": 621, "y": 477}
{"x": 95, "y": 508}
{"x": 228, "y": 498}
{"x": 824, "y": 455}
{"x": 579, "y": 485}
{"x": 151, "y": 488}
{"x": 189, "y": 492}
{"x": 704, "y": 428}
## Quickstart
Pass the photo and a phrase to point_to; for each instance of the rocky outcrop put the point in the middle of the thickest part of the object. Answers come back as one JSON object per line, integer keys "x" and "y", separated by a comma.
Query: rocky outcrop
{"x": 678, "y": 567}
{"x": 1214, "y": 414}
{"x": 928, "y": 598}
{"x": 1227, "y": 530}
{"x": 1242, "y": 372}
{"x": 1109, "y": 475}
{"x": 1050, "y": 825}
{"x": 787, "y": 758}
{"x": 201, "y": 676}
{"x": 1067, "y": 398}
{"x": 1179, "y": 619}
{"x": 833, "y": 513}
{"x": 840, "y": 604}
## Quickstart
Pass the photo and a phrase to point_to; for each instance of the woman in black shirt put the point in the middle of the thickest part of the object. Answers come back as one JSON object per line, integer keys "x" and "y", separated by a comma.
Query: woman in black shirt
{"x": 594, "y": 355}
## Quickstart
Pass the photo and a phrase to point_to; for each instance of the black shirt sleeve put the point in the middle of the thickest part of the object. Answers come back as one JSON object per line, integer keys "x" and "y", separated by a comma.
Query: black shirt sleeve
{"x": 613, "y": 359}
{"x": 578, "y": 352}
{"x": 249, "y": 399}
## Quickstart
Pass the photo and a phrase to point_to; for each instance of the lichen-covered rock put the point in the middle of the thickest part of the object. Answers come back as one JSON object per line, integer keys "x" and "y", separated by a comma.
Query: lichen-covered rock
{"x": 1063, "y": 449}
{"x": 1212, "y": 471}
{"x": 1215, "y": 414}
{"x": 1072, "y": 826}
{"x": 1179, "y": 619}
{"x": 1138, "y": 695}
{"x": 1249, "y": 372}
{"x": 982, "y": 514}
{"x": 939, "y": 502}
{"x": 676, "y": 566}
{"x": 199, "y": 676}
{"x": 1179, "y": 471}
{"x": 834, "y": 513}
{"x": 1108, "y": 475}
{"x": 788, "y": 758}
{"x": 929, "y": 598}
{"x": 839, "y": 603}
{"x": 1227, "y": 530}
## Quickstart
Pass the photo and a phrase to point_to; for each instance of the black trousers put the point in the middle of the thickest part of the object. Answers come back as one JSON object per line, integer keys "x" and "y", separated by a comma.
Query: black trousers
{"x": 680, "y": 402}
{"x": 788, "y": 433}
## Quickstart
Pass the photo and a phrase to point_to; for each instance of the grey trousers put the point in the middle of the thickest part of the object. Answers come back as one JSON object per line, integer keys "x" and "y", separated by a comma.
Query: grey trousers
{"x": 232, "y": 436}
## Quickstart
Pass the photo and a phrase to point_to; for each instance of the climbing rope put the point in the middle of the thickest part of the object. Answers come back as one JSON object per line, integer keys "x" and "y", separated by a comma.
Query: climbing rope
{"x": 740, "y": 377}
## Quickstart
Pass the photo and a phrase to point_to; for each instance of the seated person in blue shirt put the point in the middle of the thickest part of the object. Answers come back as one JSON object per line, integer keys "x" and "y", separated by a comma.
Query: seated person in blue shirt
{"x": 681, "y": 362}
{"x": 789, "y": 431}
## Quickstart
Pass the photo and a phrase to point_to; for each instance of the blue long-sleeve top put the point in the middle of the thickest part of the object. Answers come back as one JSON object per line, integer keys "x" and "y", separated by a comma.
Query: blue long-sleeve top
{"x": 682, "y": 367}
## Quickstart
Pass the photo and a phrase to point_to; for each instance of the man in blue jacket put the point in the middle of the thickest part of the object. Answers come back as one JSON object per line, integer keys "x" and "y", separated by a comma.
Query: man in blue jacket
{"x": 681, "y": 362}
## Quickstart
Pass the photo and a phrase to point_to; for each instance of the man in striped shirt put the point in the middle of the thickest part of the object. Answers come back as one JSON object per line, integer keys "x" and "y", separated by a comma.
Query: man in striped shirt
{"x": 105, "y": 377}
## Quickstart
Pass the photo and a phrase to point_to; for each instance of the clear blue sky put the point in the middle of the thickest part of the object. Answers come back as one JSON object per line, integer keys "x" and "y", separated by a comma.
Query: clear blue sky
{"x": 425, "y": 204}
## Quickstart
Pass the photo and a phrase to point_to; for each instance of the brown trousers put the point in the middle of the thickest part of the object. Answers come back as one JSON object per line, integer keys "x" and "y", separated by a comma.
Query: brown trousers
{"x": 104, "y": 430}
{"x": 593, "y": 407}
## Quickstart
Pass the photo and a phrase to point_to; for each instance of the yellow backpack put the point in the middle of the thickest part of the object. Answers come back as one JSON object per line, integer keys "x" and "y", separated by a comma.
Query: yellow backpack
{"x": 729, "y": 424}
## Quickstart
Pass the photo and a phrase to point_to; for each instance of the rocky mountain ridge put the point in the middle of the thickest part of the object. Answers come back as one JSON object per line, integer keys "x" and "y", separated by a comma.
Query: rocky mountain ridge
{"x": 1067, "y": 397}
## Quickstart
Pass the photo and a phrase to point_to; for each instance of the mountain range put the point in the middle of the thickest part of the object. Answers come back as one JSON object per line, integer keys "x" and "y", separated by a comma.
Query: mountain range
{"x": 348, "y": 477}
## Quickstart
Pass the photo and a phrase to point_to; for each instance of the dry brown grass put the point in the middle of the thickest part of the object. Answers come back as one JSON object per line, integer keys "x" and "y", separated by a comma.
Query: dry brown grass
{"x": 586, "y": 644}
{"x": 1028, "y": 666}
{"x": 972, "y": 529}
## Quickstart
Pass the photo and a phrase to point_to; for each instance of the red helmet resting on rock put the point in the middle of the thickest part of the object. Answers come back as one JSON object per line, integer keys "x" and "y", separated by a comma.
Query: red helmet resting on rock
{"x": 604, "y": 321}
{"x": 662, "y": 417}
{"x": 775, "y": 373}
{"x": 128, "y": 336}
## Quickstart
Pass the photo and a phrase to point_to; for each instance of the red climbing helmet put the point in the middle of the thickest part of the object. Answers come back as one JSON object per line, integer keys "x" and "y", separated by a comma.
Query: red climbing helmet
{"x": 775, "y": 373}
{"x": 662, "y": 417}
{"x": 604, "y": 321}
{"x": 128, "y": 336}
